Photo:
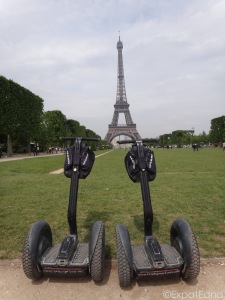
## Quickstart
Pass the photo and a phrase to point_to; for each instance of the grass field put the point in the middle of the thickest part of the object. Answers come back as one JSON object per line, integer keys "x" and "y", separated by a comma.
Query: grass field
{"x": 188, "y": 184}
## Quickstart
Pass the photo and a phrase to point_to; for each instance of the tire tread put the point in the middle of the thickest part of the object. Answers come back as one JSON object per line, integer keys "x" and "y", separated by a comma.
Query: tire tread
{"x": 124, "y": 271}
{"x": 29, "y": 269}
{"x": 194, "y": 268}
{"x": 97, "y": 263}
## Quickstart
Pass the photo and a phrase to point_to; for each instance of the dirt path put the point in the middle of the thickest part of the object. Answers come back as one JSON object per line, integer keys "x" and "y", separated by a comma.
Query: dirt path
{"x": 15, "y": 285}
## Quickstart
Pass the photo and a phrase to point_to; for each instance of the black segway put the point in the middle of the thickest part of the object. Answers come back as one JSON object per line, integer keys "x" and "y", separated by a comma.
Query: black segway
{"x": 70, "y": 258}
{"x": 153, "y": 260}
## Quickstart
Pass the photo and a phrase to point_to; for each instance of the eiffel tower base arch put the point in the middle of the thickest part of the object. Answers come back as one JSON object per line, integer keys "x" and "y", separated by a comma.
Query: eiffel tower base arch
{"x": 129, "y": 131}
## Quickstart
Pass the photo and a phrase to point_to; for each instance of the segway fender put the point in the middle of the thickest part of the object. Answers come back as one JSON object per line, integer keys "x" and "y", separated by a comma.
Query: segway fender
{"x": 37, "y": 241}
{"x": 182, "y": 228}
{"x": 96, "y": 228}
{"x": 35, "y": 231}
{"x": 125, "y": 239}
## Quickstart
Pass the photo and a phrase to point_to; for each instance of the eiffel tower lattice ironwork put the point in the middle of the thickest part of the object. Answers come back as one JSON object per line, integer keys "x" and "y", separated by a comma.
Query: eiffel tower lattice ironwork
{"x": 121, "y": 106}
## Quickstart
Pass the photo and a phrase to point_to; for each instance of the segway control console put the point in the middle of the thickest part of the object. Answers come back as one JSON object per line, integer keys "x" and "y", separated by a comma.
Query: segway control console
{"x": 152, "y": 259}
{"x": 70, "y": 258}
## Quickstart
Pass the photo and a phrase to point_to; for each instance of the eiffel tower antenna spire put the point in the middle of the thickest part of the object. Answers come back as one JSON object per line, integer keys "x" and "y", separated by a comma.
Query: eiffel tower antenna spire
{"x": 121, "y": 106}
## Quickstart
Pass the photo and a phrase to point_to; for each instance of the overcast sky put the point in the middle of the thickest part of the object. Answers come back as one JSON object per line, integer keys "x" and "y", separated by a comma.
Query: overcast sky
{"x": 173, "y": 53}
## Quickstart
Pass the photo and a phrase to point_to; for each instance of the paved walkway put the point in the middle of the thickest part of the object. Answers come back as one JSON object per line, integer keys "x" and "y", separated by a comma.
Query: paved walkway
{"x": 14, "y": 285}
{"x": 25, "y": 156}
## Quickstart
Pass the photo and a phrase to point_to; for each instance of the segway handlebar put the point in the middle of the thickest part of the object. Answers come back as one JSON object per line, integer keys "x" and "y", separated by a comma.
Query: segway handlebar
{"x": 82, "y": 138}
{"x": 134, "y": 141}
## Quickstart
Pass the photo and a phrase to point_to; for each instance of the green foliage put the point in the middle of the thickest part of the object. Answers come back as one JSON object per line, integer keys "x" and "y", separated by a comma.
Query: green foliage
{"x": 82, "y": 131}
{"x": 55, "y": 126}
{"x": 20, "y": 112}
{"x": 94, "y": 145}
{"x": 165, "y": 139}
{"x": 181, "y": 137}
{"x": 72, "y": 128}
{"x": 217, "y": 130}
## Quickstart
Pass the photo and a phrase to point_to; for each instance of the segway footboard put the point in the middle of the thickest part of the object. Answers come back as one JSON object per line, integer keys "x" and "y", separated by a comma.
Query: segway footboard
{"x": 66, "y": 259}
{"x": 72, "y": 258}
{"x": 147, "y": 265}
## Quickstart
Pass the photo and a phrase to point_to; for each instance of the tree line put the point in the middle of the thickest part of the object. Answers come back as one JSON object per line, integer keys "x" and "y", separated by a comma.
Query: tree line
{"x": 23, "y": 122}
{"x": 216, "y": 135}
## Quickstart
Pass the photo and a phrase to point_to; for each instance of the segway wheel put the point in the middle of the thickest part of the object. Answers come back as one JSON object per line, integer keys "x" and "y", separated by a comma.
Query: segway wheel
{"x": 97, "y": 243}
{"x": 183, "y": 240}
{"x": 37, "y": 241}
{"x": 124, "y": 255}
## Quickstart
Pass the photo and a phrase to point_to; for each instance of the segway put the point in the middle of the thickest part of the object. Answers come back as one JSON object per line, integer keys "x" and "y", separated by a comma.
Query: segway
{"x": 152, "y": 259}
{"x": 70, "y": 258}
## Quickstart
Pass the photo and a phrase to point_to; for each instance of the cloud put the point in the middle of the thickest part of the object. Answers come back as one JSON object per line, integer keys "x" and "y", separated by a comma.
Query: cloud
{"x": 174, "y": 59}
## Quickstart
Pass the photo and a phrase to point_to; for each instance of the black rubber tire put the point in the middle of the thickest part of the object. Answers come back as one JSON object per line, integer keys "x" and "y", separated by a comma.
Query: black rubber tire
{"x": 97, "y": 264}
{"x": 124, "y": 269}
{"x": 183, "y": 240}
{"x": 37, "y": 241}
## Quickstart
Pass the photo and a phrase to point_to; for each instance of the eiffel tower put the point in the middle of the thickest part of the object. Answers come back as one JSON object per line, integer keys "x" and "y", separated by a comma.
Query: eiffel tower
{"x": 121, "y": 106}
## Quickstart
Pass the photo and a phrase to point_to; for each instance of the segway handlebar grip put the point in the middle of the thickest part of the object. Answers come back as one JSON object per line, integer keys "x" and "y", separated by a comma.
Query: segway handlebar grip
{"x": 134, "y": 141}
{"x": 82, "y": 138}
{"x": 126, "y": 142}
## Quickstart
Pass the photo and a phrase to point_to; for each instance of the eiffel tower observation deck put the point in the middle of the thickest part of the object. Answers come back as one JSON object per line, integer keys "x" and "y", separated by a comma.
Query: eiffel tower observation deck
{"x": 121, "y": 106}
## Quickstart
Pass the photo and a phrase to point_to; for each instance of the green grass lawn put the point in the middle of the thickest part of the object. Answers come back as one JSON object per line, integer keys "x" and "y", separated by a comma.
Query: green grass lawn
{"x": 188, "y": 184}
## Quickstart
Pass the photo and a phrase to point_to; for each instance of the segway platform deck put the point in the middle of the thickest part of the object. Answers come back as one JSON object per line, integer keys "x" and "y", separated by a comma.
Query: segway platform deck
{"x": 145, "y": 266}
{"x": 77, "y": 264}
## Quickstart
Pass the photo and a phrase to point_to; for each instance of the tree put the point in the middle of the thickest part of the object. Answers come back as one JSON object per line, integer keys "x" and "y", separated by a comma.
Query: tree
{"x": 55, "y": 126}
{"x": 217, "y": 130}
{"x": 82, "y": 131}
{"x": 72, "y": 128}
{"x": 203, "y": 138}
{"x": 165, "y": 139}
{"x": 176, "y": 137}
{"x": 20, "y": 112}
{"x": 92, "y": 134}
